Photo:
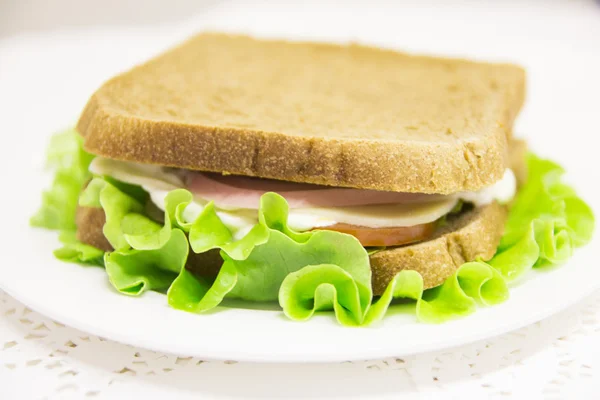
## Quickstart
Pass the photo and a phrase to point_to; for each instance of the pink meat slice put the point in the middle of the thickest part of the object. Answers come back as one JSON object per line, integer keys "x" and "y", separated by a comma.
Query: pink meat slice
{"x": 244, "y": 192}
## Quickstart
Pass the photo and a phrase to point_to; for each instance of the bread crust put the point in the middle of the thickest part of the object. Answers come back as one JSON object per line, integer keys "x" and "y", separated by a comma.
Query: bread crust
{"x": 351, "y": 115}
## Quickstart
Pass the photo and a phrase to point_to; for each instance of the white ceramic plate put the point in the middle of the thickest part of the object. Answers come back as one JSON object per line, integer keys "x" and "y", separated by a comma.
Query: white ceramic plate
{"x": 44, "y": 82}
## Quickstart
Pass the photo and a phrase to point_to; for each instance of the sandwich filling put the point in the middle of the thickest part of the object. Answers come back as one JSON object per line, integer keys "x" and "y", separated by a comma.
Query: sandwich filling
{"x": 107, "y": 222}
{"x": 375, "y": 218}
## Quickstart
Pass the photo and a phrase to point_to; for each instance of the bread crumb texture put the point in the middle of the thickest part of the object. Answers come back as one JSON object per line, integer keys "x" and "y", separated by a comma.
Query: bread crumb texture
{"x": 342, "y": 115}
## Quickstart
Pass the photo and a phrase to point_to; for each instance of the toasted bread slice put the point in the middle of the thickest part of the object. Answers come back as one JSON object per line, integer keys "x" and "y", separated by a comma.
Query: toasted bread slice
{"x": 342, "y": 115}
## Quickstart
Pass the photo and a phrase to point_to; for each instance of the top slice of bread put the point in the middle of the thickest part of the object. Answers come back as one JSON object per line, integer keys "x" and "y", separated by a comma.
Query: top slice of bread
{"x": 342, "y": 115}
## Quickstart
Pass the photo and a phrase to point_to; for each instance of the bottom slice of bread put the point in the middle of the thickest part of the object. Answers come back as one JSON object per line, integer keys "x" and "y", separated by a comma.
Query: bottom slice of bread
{"x": 470, "y": 235}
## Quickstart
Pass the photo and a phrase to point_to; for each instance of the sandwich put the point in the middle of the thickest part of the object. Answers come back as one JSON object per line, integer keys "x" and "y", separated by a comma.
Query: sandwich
{"x": 322, "y": 176}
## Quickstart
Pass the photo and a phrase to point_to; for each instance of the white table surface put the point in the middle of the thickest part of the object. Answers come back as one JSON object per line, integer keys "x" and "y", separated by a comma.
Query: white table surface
{"x": 555, "y": 358}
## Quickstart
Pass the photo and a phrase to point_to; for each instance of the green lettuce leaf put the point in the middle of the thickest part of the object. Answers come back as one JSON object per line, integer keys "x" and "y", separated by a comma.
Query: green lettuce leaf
{"x": 548, "y": 214}
{"x": 116, "y": 205}
{"x": 148, "y": 255}
{"x": 330, "y": 287}
{"x": 134, "y": 271}
{"x": 208, "y": 232}
{"x": 196, "y": 294}
{"x": 473, "y": 283}
{"x": 70, "y": 162}
{"x": 546, "y": 221}
{"x": 142, "y": 233}
{"x": 75, "y": 251}
{"x": 255, "y": 266}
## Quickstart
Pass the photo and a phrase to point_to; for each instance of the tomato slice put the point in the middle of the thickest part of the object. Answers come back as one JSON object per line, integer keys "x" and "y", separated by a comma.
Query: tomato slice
{"x": 394, "y": 236}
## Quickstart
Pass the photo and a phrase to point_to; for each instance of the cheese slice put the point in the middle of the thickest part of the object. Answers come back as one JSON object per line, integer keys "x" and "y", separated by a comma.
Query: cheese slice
{"x": 386, "y": 215}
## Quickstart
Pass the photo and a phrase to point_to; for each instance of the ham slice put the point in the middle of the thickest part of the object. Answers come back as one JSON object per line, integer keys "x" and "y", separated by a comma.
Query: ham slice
{"x": 231, "y": 192}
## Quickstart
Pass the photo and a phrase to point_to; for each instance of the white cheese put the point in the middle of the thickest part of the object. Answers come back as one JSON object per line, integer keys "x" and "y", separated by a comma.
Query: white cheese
{"x": 502, "y": 191}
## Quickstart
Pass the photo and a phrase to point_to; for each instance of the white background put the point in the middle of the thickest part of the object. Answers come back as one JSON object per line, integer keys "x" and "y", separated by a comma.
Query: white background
{"x": 547, "y": 360}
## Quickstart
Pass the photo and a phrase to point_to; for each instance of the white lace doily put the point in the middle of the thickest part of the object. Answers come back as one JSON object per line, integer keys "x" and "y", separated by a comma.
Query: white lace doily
{"x": 555, "y": 358}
